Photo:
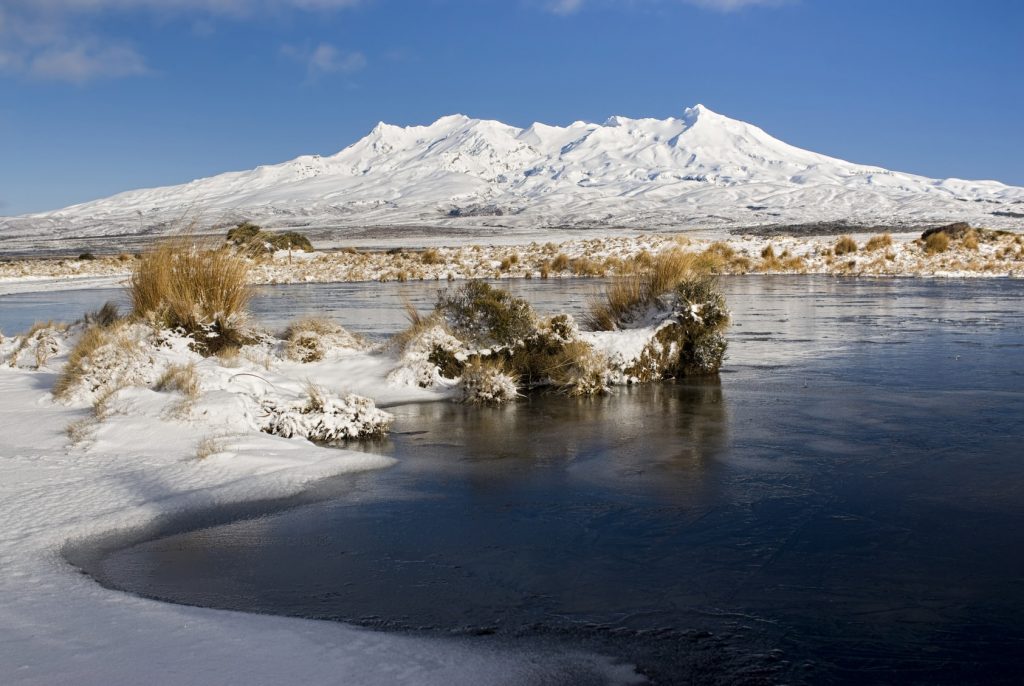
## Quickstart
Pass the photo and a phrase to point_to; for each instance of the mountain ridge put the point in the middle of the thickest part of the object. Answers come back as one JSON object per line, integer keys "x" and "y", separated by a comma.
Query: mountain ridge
{"x": 701, "y": 170}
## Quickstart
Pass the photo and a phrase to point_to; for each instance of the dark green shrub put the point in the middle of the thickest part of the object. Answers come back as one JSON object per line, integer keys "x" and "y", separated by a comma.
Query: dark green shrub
{"x": 486, "y": 316}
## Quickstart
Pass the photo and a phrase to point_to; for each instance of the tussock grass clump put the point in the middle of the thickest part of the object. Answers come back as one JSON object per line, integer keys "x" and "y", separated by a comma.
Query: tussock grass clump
{"x": 210, "y": 445}
{"x": 560, "y": 262}
{"x": 100, "y": 359}
{"x": 202, "y": 292}
{"x": 430, "y": 256}
{"x": 508, "y": 262}
{"x": 845, "y": 245}
{"x": 108, "y": 315}
{"x": 579, "y": 370}
{"x": 310, "y": 339}
{"x": 484, "y": 315}
{"x": 970, "y": 240}
{"x": 936, "y": 243}
{"x": 631, "y": 295}
{"x": 182, "y": 378}
{"x": 878, "y": 242}
{"x": 768, "y": 252}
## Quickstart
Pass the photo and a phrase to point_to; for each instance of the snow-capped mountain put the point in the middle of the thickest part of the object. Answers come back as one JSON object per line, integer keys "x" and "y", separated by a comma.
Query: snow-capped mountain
{"x": 700, "y": 170}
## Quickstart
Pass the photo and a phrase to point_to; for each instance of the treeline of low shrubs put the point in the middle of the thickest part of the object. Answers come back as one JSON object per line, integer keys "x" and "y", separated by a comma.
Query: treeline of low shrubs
{"x": 254, "y": 240}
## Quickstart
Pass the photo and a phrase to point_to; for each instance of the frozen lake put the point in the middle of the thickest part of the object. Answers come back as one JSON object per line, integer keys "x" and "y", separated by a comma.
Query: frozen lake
{"x": 846, "y": 505}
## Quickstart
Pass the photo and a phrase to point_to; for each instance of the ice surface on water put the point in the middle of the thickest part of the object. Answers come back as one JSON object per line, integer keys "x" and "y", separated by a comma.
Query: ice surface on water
{"x": 850, "y": 492}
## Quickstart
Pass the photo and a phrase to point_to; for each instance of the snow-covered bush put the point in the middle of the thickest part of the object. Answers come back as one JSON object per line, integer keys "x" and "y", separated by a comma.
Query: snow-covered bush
{"x": 487, "y": 381}
{"x": 430, "y": 354}
{"x": 312, "y": 339}
{"x": 323, "y": 417}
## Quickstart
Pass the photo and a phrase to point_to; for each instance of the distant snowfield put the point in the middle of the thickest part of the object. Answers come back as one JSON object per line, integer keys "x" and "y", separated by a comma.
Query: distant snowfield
{"x": 60, "y": 627}
{"x": 477, "y": 178}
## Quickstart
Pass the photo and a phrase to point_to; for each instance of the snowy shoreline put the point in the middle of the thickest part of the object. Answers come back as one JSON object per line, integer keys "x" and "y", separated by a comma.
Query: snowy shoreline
{"x": 139, "y": 467}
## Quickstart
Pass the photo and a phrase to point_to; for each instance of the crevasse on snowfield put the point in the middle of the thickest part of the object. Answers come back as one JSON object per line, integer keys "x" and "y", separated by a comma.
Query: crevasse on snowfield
{"x": 700, "y": 170}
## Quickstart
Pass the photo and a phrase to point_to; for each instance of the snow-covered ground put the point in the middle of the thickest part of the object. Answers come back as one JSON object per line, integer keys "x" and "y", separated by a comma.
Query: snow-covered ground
{"x": 66, "y": 476}
{"x": 598, "y": 256}
{"x": 478, "y": 178}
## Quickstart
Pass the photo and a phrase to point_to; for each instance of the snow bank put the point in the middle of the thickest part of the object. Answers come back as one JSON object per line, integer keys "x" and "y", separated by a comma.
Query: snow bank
{"x": 138, "y": 464}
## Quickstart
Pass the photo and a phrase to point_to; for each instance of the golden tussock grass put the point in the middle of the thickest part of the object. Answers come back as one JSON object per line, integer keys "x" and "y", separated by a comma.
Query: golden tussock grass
{"x": 845, "y": 245}
{"x": 91, "y": 340}
{"x": 936, "y": 243}
{"x": 634, "y": 291}
{"x": 970, "y": 240}
{"x": 204, "y": 292}
{"x": 878, "y": 242}
{"x": 182, "y": 378}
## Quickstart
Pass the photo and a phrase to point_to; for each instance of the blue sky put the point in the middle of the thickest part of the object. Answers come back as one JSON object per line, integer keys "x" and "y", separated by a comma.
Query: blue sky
{"x": 100, "y": 96}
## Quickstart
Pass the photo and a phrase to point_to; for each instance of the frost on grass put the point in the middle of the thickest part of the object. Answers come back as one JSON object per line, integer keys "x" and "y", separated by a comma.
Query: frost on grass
{"x": 34, "y": 348}
{"x": 313, "y": 339}
{"x": 487, "y": 381}
{"x": 323, "y": 417}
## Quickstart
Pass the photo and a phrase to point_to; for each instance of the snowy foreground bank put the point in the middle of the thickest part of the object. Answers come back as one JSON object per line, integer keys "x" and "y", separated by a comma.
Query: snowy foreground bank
{"x": 115, "y": 454}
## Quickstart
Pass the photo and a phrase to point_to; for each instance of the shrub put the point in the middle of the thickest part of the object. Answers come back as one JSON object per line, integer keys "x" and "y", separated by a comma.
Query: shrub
{"x": 202, "y": 292}
{"x": 878, "y": 242}
{"x": 87, "y": 256}
{"x": 484, "y": 315}
{"x": 254, "y": 240}
{"x": 936, "y": 243}
{"x": 487, "y": 381}
{"x": 845, "y": 245}
{"x": 289, "y": 240}
{"x": 323, "y": 417}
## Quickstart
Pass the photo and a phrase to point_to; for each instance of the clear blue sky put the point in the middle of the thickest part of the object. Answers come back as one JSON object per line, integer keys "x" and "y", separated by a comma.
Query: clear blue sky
{"x": 100, "y": 96}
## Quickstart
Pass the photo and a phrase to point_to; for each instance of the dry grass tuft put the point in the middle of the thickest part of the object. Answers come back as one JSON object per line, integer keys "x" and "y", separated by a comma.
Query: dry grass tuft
{"x": 845, "y": 245}
{"x": 88, "y": 343}
{"x": 203, "y": 292}
{"x": 878, "y": 242}
{"x": 430, "y": 256}
{"x": 970, "y": 240}
{"x": 768, "y": 252}
{"x": 509, "y": 262}
{"x": 936, "y": 243}
{"x": 179, "y": 377}
{"x": 560, "y": 262}
{"x": 630, "y": 294}
{"x": 210, "y": 445}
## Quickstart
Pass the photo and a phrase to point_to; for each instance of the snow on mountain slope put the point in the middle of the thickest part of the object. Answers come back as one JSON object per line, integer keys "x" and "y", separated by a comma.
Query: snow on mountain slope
{"x": 701, "y": 170}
